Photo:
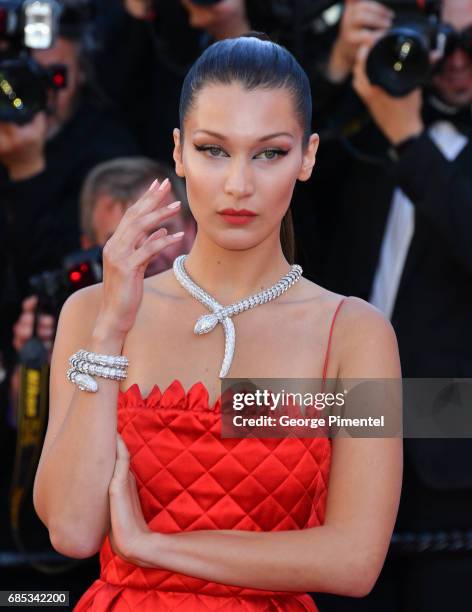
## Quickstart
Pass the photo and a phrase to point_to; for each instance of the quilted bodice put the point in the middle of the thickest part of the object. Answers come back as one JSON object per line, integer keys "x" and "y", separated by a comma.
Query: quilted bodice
{"x": 189, "y": 478}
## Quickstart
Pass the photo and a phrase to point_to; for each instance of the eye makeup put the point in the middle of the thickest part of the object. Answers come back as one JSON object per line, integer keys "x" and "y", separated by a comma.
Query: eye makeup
{"x": 277, "y": 152}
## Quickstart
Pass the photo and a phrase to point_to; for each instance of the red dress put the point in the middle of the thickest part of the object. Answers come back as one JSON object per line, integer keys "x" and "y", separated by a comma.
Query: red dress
{"x": 189, "y": 478}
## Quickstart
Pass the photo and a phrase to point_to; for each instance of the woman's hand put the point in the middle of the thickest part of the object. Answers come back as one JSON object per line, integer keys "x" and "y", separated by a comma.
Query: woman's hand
{"x": 128, "y": 526}
{"x": 127, "y": 254}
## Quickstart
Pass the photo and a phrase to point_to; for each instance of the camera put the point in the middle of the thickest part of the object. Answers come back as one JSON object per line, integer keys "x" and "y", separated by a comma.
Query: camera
{"x": 27, "y": 25}
{"x": 79, "y": 269}
{"x": 400, "y": 61}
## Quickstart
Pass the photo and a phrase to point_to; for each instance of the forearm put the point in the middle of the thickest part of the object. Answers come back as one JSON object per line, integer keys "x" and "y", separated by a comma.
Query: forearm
{"x": 71, "y": 488}
{"x": 316, "y": 559}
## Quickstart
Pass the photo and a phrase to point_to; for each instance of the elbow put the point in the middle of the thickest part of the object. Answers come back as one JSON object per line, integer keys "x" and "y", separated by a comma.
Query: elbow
{"x": 68, "y": 539}
{"x": 71, "y": 543}
{"x": 361, "y": 588}
{"x": 360, "y": 579}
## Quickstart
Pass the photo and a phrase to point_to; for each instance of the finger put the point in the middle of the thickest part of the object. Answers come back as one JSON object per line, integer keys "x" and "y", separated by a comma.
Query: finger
{"x": 162, "y": 231}
{"x": 29, "y": 303}
{"x": 148, "y": 222}
{"x": 136, "y": 503}
{"x": 366, "y": 38}
{"x": 134, "y": 491}
{"x": 120, "y": 473}
{"x": 25, "y": 323}
{"x": 121, "y": 448}
{"x": 142, "y": 225}
{"x": 369, "y": 7}
{"x": 121, "y": 517}
{"x": 360, "y": 82}
{"x": 361, "y": 58}
{"x": 372, "y": 21}
{"x": 152, "y": 247}
{"x": 151, "y": 198}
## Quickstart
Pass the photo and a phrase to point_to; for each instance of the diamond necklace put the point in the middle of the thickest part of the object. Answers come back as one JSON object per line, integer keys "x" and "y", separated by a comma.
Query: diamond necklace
{"x": 222, "y": 314}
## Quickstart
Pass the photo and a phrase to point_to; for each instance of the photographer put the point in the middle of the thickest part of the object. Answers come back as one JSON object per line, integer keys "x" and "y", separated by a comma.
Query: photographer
{"x": 42, "y": 166}
{"x": 395, "y": 231}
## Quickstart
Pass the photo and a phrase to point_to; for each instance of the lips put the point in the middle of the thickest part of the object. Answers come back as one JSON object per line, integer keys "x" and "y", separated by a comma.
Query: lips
{"x": 237, "y": 217}
{"x": 238, "y": 213}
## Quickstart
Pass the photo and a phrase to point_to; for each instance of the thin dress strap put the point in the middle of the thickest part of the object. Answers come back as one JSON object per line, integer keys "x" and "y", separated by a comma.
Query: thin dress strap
{"x": 326, "y": 360}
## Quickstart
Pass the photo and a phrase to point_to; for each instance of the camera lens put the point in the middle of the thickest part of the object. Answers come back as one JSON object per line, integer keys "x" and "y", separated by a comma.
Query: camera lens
{"x": 22, "y": 90}
{"x": 399, "y": 62}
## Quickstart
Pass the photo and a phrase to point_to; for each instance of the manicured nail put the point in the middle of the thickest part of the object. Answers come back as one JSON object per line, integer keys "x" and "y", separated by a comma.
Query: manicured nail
{"x": 163, "y": 184}
{"x": 174, "y": 205}
{"x": 177, "y": 235}
{"x": 153, "y": 184}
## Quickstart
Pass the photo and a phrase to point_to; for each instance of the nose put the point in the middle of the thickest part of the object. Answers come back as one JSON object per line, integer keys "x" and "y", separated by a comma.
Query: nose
{"x": 239, "y": 181}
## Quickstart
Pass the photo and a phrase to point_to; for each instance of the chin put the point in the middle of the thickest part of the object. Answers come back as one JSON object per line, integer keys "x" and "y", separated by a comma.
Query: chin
{"x": 454, "y": 96}
{"x": 241, "y": 242}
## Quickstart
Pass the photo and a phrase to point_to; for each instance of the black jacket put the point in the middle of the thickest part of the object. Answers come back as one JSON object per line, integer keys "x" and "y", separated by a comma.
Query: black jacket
{"x": 340, "y": 238}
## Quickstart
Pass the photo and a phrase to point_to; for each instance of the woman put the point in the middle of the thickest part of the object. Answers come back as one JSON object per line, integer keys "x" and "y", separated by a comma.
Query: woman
{"x": 191, "y": 521}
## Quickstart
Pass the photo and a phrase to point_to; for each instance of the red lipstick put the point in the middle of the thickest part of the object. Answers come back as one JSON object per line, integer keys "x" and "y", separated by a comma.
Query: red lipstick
{"x": 237, "y": 217}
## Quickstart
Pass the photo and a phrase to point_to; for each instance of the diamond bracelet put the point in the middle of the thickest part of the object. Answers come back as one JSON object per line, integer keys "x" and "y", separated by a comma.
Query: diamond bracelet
{"x": 86, "y": 364}
{"x": 120, "y": 361}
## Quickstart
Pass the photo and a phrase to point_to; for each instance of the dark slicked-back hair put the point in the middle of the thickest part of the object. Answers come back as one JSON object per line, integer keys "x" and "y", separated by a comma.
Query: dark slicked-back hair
{"x": 255, "y": 62}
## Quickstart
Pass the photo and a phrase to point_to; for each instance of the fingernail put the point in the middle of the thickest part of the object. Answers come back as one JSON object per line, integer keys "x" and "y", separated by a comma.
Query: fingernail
{"x": 174, "y": 205}
{"x": 153, "y": 184}
{"x": 178, "y": 235}
{"x": 163, "y": 184}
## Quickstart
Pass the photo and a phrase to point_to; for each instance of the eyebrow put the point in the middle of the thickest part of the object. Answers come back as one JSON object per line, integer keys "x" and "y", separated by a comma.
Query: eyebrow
{"x": 263, "y": 139}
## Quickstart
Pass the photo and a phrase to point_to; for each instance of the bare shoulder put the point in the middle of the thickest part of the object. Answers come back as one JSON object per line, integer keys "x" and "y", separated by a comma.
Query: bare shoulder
{"x": 364, "y": 343}
{"x": 360, "y": 321}
{"x": 85, "y": 302}
{"x": 324, "y": 301}
{"x": 367, "y": 344}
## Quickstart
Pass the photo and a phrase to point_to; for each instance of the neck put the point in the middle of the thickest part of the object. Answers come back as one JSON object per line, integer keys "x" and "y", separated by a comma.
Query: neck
{"x": 231, "y": 275}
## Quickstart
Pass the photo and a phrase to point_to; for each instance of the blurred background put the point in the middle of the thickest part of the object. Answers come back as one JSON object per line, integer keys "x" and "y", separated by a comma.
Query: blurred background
{"x": 89, "y": 93}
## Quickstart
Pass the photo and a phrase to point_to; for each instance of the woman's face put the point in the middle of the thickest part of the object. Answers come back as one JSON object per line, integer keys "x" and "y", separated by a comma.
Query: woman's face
{"x": 242, "y": 151}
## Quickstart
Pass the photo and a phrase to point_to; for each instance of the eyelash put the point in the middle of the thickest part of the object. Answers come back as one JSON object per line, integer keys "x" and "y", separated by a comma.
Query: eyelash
{"x": 280, "y": 152}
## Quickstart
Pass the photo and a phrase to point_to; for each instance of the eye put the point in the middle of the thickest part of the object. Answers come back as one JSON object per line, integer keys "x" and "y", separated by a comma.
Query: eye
{"x": 213, "y": 150}
{"x": 271, "y": 154}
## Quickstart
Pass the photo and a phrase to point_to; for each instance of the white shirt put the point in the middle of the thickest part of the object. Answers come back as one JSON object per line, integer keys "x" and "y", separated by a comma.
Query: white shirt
{"x": 401, "y": 225}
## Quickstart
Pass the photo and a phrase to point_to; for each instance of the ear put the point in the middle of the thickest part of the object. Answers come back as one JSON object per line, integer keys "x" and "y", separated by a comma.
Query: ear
{"x": 309, "y": 158}
{"x": 179, "y": 166}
